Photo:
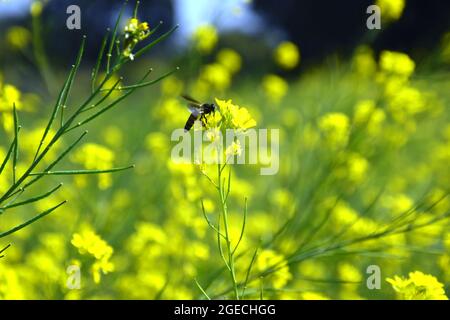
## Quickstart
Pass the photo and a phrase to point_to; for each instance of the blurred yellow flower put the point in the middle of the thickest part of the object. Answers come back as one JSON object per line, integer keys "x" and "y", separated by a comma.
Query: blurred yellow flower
{"x": 36, "y": 8}
{"x": 309, "y": 295}
{"x": 268, "y": 259}
{"x": 335, "y": 128}
{"x": 287, "y": 55}
{"x": 406, "y": 102}
{"x": 18, "y": 37}
{"x": 391, "y": 9}
{"x": 275, "y": 87}
{"x": 9, "y": 95}
{"x": 88, "y": 242}
{"x": 230, "y": 59}
{"x": 396, "y": 63}
{"x": 113, "y": 136}
{"x": 418, "y": 286}
{"x": 348, "y": 272}
{"x": 172, "y": 86}
{"x": 217, "y": 75}
{"x": 205, "y": 38}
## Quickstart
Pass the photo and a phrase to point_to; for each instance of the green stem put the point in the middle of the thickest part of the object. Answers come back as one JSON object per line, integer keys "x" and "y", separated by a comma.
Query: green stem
{"x": 227, "y": 235}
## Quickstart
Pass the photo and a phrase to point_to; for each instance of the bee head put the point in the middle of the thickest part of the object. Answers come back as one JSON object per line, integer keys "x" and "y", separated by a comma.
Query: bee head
{"x": 209, "y": 107}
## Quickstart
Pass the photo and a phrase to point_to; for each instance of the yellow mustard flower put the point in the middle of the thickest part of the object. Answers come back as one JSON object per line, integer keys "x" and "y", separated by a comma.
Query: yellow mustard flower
{"x": 310, "y": 295}
{"x": 230, "y": 59}
{"x": 89, "y": 243}
{"x": 396, "y": 63}
{"x": 134, "y": 32}
{"x": 112, "y": 135}
{"x": 406, "y": 102}
{"x": 391, "y": 9}
{"x": 217, "y": 75}
{"x": 268, "y": 259}
{"x": 287, "y": 55}
{"x": 335, "y": 127}
{"x": 233, "y": 116}
{"x": 205, "y": 38}
{"x": 418, "y": 286}
{"x": 275, "y": 87}
{"x": 36, "y": 8}
{"x": 367, "y": 115}
{"x": 172, "y": 86}
{"x": 348, "y": 272}
{"x": 18, "y": 37}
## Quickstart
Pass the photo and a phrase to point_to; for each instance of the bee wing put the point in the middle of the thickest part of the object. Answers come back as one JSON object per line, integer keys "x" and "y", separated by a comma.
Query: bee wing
{"x": 194, "y": 109}
{"x": 190, "y": 99}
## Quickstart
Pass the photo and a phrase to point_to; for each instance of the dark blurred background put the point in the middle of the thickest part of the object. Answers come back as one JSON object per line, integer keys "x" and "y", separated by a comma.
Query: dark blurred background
{"x": 320, "y": 28}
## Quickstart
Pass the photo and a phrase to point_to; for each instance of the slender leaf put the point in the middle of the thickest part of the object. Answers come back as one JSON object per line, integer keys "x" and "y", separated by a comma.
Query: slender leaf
{"x": 23, "y": 225}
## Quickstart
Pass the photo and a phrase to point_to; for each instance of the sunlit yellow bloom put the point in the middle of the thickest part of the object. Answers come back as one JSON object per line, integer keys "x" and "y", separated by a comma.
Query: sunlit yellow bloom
{"x": 230, "y": 59}
{"x": 405, "y": 103}
{"x": 36, "y": 8}
{"x": 348, "y": 272}
{"x": 354, "y": 168}
{"x": 205, "y": 38}
{"x": 172, "y": 86}
{"x": 134, "y": 32}
{"x": 397, "y": 204}
{"x": 396, "y": 63}
{"x": 9, "y": 95}
{"x": 418, "y": 286}
{"x": 268, "y": 259}
{"x": 335, "y": 128}
{"x": 113, "y": 136}
{"x": 233, "y": 116}
{"x": 344, "y": 215}
{"x": 287, "y": 55}
{"x": 314, "y": 296}
{"x": 88, "y": 242}
{"x": 391, "y": 9}
{"x": 217, "y": 75}
{"x": 18, "y": 37}
{"x": 274, "y": 87}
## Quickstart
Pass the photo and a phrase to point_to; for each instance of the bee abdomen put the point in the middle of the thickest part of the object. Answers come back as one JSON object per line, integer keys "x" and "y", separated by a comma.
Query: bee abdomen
{"x": 190, "y": 122}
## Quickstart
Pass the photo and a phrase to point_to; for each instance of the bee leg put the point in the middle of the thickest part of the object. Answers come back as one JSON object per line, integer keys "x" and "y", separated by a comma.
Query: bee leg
{"x": 203, "y": 120}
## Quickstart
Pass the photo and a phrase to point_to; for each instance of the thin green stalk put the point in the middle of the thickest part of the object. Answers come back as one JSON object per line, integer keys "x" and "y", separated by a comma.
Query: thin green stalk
{"x": 34, "y": 199}
{"x": 99, "y": 60}
{"x": 8, "y": 155}
{"x": 23, "y": 225}
{"x": 74, "y": 172}
{"x": 143, "y": 84}
{"x": 227, "y": 235}
{"x": 3, "y": 250}
{"x": 201, "y": 289}
{"x": 16, "y": 144}
{"x": 113, "y": 38}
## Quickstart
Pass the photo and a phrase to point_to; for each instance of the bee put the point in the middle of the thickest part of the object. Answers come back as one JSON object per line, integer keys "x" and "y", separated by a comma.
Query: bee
{"x": 198, "y": 111}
